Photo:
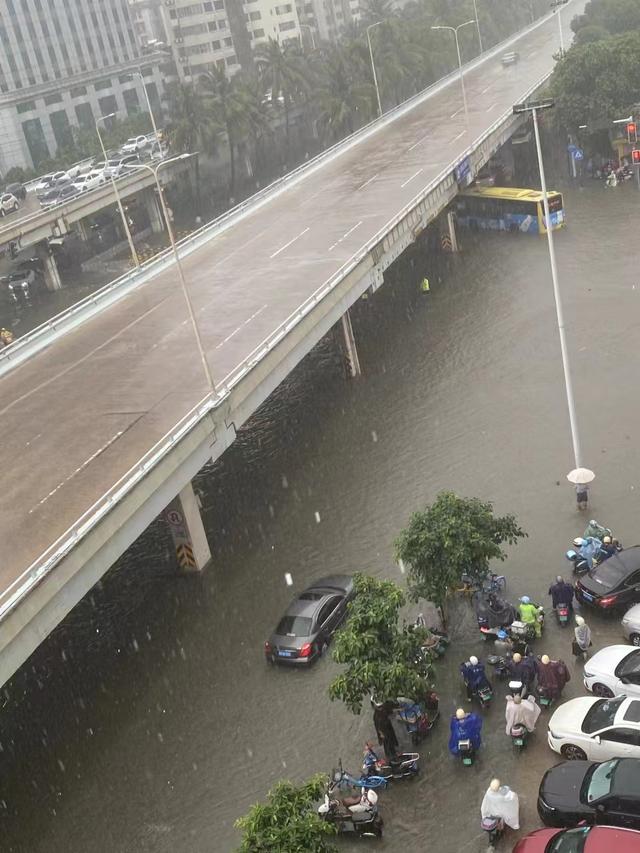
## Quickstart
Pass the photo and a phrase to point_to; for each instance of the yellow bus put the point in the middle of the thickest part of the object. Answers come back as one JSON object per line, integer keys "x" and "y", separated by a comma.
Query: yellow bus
{"x": 508, "y": 209}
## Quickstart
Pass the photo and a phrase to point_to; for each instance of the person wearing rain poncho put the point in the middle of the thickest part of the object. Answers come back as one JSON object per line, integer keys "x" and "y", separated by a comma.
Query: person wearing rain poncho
{"x": 501, "y": 802}
{"x": 587, "y": 548}
{"x": 528, "y": 613}
{"x": 464, "y": 727}
{"x": 521, "y": 711}
{"x": 582, "y": 641}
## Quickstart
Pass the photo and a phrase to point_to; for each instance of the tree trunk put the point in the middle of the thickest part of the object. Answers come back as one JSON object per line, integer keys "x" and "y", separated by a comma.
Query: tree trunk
{"x": 232, "y": 168}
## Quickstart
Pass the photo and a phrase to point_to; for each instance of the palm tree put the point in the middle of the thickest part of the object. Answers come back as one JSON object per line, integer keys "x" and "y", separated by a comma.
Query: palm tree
{"x": 281, "y": 70}
{"x": 373, "y": 11}
{"x": 346, "y": 96}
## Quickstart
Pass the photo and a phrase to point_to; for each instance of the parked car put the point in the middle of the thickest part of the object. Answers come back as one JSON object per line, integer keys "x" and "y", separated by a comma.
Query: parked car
{"x": 305, "y": 630}
{"x": 612, "y": 583}
{"x": 613, "y": 671}
{"x": 118, "y": 165}
{"x": 580, "y": 839}
{"x": 607, "y": 792}
{"x": 8, "y": 204}
{"x": 18, "y": 190}
{"x": 631, "y": 625}
{"x": 57, "y": 195}
{"x": 510, "y": 58}
{"x": 44, "y": 184}
{"x": 596, "y": 729}
{"x": 90, "y": 181}
{"x": 135, "y": 144}
{"x": 21, "y": 286}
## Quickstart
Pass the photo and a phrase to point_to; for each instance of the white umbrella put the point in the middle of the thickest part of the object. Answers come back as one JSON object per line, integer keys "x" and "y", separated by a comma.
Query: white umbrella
{"x": 580, "y": 476}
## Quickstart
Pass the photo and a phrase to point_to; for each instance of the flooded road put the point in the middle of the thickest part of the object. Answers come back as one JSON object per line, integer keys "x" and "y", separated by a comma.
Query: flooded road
{"x": 149, "y": 721}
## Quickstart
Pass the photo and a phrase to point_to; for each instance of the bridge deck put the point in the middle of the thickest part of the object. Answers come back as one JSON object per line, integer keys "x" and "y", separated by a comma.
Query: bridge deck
{"x": 79, "y": 414}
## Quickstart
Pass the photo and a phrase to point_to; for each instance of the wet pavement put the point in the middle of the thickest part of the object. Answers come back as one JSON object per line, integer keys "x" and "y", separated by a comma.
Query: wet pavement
{"x": 149, "y": 720}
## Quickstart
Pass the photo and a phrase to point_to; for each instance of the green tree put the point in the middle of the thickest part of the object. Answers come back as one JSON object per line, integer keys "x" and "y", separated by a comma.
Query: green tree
{"x": 452, "y": 537}
{"x": 382, "y": 658}
{"x": 191, "y": 126}
{"x": 344, "y": 100}
{"x": 283, "y": 75}
{"x": 288, "y": 822}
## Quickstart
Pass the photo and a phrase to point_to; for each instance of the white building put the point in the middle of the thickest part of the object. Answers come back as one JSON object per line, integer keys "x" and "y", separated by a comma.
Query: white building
{"x": 63, "y": 63}
{"x": 223, "y": 33}
{"x": 328, "y": 18}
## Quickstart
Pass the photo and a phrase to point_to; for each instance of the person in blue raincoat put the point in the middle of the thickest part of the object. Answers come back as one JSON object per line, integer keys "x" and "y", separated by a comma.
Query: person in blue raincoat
{"x": 474, "y": 676}
{"x": 465, "y": 727}
{"x": 587, "y": 548}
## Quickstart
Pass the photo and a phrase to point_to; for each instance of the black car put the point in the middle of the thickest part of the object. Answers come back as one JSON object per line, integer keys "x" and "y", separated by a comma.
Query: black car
{"x": 17, "y": 190}
{"x": 303, "y": 633}
{"x": 613, "y": 583}
{"x": 590, "y": 791}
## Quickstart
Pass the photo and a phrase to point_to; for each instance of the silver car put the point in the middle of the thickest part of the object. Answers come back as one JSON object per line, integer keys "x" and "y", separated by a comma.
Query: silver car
{"x": 631, "y": 625}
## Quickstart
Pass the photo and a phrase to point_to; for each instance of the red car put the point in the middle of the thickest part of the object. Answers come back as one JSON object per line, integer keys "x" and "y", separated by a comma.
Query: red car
{"x": 580, "y": 839}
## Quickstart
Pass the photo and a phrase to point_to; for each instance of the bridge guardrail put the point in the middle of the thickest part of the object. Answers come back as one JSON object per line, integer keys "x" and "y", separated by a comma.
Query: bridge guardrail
{"x": 37, "y": 338}
{"x": 10, "y": 597}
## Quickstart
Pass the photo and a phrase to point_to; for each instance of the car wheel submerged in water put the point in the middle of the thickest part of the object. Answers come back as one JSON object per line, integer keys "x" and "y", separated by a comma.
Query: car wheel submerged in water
{"x": 602, "y": 690}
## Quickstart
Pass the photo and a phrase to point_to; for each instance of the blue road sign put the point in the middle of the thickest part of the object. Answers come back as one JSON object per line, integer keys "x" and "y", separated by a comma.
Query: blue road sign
{"x": 578, "y": 154}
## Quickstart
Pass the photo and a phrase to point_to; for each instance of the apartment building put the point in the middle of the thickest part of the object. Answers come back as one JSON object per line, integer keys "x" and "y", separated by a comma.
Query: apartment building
{"x": 327, "y": 19}
{"x": 63, "y": 63}
{"x": 223, "y": 33}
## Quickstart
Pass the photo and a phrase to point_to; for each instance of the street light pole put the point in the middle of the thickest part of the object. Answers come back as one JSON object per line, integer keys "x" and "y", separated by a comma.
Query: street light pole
{"x": 534, "y": 107}
{"x": 454, "y": 30}
{"x": 558, "y": 4}
{"x": 373, "y": 66}
{"x": 139, "y": 74}
{"x": 310, "y": 28}
{"x": 174, "y": 249}
{"x": 132, "y": 247}
{"x": 475, "y": 12}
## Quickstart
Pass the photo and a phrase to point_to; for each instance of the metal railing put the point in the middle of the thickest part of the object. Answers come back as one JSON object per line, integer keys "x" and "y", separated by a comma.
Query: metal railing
{"x": 11, "y": 596}
{"x": 32, "y": 342}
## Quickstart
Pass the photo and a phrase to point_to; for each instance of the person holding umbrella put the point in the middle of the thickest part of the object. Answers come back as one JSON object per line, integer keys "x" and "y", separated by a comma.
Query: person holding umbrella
{"x": 581, "y": 477}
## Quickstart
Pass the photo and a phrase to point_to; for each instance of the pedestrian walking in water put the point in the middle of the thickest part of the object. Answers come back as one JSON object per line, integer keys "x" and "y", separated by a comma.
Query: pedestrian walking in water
{"x": 582, "y": 640}
{"x": 387, "y": 737}
{"x": 582, "y": 495}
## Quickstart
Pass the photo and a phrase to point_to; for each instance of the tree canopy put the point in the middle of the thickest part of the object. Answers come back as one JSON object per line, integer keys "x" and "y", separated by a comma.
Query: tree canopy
{"x": 382, "y": 657}
{"x": 452, "y": 537}
{"x": 288, "y": 822}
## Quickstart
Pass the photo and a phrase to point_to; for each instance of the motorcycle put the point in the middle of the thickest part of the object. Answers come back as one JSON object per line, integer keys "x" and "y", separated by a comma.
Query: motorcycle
{"x": 518, "y": 688}
{"x": 484, "y": 694}
{"x": 402, "y": 766}
{"x": 562, "y": 614}
{"x": 544, "y": 699}
{"x": 418, "y": 721}
{"x": 580, "y": 564}
{"x": 466, "y": 752}
{"x": 342, "y": 779}
{"x": 357, "y": 814}
{"x": 494, "y": 827}
{"x": 438, "y": 640}
{"x": 519, "y": 736}
{"x": 493, "y": 613}
{"x": 499, "y": 665}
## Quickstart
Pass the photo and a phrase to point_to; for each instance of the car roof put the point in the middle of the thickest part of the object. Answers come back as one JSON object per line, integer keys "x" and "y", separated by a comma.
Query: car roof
{"x": 332, "y": 584}
{"x": 629, "y": 714}
{"x": 304, "y": 607}
{"x": 626, "y": 779}
{"x": 609, "y": 657}
{"x": 621, "y": 564}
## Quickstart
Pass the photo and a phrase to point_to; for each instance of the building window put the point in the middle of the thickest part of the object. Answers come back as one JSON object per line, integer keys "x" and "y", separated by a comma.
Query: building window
{"x": 213, "y": 26}
{"x": 258, "y": 34}
{"x": 26, "y": 106}
{"x": 218, "y": 5}
{"x": 102, "y": 84}
{"x": 208, "y": 7}
{"x": 131, "y": 101}
{"x": 287, "y": 25}
{"x": 255, "y": 16}
{"x": 78, "y": 91}
{"x": 228, "y": 42}
{"x": 231, "y": 60}
{"x": 84, "y": 115}
{"x": 36, "y": 143}
{"x": 61, "y": 128}
{"x": 53, "y": 99}
{"x": 215, "y": 45}
{"x": 108, "y": 105}
{"x": 222, "y": 25}
{"x": 125, "y": 78}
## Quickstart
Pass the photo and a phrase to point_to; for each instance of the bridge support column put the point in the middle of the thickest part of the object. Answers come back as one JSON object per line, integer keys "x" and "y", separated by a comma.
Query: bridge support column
{"x": 350, "y": 345}
{"x": 153, "y": 211}
{"x": 452, "y": 231}
{"x": 50, "y": 269}
{"x": 187, "y": 531}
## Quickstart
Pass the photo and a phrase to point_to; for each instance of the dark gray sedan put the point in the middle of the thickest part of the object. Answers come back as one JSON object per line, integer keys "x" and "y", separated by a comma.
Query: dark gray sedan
{"x": 304, "y": 632}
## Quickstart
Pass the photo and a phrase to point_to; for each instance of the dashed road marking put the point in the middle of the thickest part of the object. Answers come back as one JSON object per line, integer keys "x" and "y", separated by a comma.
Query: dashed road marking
{"x": 457, "y": 113}
{"x": 419, "y": 142}
{"x": 241, "y": 326}
{"x": 345, "y": 235}
{"x": 415, "y": 175}
{"x": 362, "y": 186}
{"x": 286, "y": 245}
{"x": 456, "y": 138}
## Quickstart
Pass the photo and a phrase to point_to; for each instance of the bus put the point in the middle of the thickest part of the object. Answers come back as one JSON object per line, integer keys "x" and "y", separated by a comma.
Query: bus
{"x": 508, "y": 209}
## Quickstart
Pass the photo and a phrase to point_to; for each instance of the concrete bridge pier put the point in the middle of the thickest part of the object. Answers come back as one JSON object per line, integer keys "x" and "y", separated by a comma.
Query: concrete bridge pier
{"x": 451, "y": 222}
{"x": 187, "y": 531}
{"x": 154, "y": 212}
{"x": 52, "y": 278}
{"x": 350, "y": 345}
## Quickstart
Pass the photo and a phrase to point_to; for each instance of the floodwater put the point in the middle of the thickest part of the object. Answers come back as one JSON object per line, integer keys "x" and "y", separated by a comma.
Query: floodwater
{"x": 149, "y": 721}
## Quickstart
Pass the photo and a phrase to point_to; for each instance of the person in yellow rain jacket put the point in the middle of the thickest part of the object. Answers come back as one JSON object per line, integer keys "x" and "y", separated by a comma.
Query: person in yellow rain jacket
{"x": 529, "y": 614}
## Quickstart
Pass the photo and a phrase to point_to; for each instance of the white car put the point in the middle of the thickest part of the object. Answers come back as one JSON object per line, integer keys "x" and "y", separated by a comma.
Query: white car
{"x": 596, "y": 729}
{"x": 135, "y": 144}
{"x": 8, "y": 204}
{"x": 613, "y": 671}
{"x": 90, "y": 181}
{"x": 631, "y": 625}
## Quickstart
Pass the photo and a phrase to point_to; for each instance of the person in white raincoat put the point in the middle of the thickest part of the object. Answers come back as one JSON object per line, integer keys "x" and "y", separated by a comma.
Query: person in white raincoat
{"x": 518, "y": 710}
{"x": 500, "y": 801}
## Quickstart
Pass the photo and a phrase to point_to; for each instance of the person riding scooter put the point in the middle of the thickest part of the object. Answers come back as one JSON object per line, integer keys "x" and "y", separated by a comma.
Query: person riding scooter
{"x": 530, "y": 615}
{"x": 522, "y": 669}
{"x": 561, "y": 592}
{"x": 521, "y": 711}
{"x": 474, "y": 676}
{"x": 465, "y": 727}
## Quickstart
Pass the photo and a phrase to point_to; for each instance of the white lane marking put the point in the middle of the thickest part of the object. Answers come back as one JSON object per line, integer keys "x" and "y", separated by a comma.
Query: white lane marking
{"x": 419, "y": 142}
{"x": 362, "y": 186}
{"x": 241, "y": 326}
{"x": 457, "y": 112}
{"x": 345, "y": 235}
{"x": 78, "y": 469}
{"x": 415, "y": 175}
{"x": 492, "y": 107}
{"x": 533, "y": 53}
{"x": 286, "y": 245}
{"x": 486, "y": 89}
{"x": 35, "y": 438}
{"x": 456, "y": 138}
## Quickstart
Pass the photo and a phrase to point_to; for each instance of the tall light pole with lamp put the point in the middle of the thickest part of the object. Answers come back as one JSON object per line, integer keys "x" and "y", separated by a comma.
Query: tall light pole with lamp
{"x": 454, "y": 30}
{"x": 132, "y": 247}
{"x": 174, "y": 248}
{"x": 534, "y": 108}
{"x": 373, "y": 65}
{"x": 557, "y": 5}
{"x": 475, "y": 12}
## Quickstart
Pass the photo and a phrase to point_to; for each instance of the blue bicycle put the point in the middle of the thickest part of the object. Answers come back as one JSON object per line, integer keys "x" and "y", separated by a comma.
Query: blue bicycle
{"x": 342, "y": 779}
